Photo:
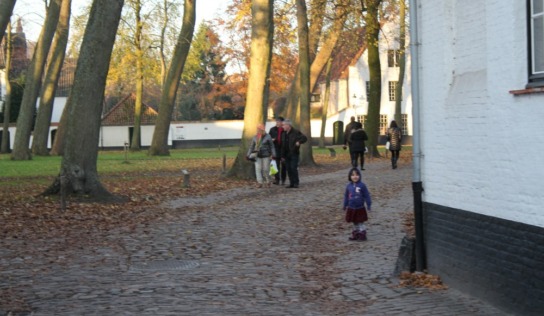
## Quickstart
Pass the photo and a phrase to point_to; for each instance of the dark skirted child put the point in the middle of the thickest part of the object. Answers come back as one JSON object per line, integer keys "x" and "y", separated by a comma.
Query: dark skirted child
{"x": 356, "y": 196}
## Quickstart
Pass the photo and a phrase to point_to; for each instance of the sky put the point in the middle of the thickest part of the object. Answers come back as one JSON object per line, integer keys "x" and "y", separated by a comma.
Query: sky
{"x": 32, "y": 13}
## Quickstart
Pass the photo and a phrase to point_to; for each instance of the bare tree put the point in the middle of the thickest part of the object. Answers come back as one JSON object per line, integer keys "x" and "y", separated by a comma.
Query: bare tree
{"x": 402, "y": 61}
{"x": 324, "y": 110}
{"x": 159, "y": 143}
{"x": 6, "y": 10}
{"x": 372, "y": 126}
{"x": 47, "y": 97}
{"x": 262, "y": 30}
{"x": 306, "y": 157}
{"x": 33, "y": 84}
{"x": 135, "y": 142}
{"x": 78, "y": 173}
{"x": 7, "y": 103}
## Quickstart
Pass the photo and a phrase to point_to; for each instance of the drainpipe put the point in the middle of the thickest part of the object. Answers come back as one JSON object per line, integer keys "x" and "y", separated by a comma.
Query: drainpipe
{"x": 417, "y": 185}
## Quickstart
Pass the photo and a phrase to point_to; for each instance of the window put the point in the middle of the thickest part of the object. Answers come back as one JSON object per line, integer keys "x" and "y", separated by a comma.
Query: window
{"x": 393, "y": 57}
{"x": 536, "y": 43}
{"x": 393, "y": 90}
{"x": 404, "y": 125}
{"x": 315, "y": 98}
{"x": 361, "y": 119}
{"x": 383, "y": 124}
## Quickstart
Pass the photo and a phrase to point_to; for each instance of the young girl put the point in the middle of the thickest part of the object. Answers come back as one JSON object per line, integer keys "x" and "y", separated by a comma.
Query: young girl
{"x": 355, "y": 197}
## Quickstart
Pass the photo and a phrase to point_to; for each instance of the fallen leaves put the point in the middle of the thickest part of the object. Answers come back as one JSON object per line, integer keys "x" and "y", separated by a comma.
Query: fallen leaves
{"x": 420, "y": 279}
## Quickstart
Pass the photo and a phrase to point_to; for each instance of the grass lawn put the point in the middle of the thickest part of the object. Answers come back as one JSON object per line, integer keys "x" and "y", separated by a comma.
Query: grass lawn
{"x": 114, "y": 162}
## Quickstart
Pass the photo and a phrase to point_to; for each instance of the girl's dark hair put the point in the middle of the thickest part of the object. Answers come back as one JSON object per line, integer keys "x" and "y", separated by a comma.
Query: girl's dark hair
{"x": 356, "y": 171}
{"x": 394, "y": 124}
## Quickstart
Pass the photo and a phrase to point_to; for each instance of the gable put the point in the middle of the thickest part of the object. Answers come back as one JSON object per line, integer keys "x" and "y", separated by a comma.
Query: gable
{"x": 123, "y": 113}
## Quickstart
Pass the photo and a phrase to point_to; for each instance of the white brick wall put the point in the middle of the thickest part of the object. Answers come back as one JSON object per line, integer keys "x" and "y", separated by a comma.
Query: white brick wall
{"x": 482, "y": 146}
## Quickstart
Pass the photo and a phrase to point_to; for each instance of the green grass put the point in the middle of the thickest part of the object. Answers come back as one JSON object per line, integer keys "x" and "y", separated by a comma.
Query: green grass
{"x": 113, "y": 161}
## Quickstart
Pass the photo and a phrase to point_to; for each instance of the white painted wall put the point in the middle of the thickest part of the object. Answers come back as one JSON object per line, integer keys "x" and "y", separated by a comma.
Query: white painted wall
{"x": 116, "y": 136}
{"x": 482, "y": 146}
{"x": 343, "y": 91}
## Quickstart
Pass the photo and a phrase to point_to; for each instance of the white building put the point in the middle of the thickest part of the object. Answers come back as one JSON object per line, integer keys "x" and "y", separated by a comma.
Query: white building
{"x": 478, "y": 150}
{"x": 350, "y": 85}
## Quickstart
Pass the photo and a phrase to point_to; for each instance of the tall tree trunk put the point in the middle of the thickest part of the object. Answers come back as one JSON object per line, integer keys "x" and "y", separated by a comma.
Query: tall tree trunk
{"x": 306, "y": 157}
{"x": 328, "y": 45}
{"x": 47, "y": 97}
{"x": 163, "y": 38}
{"x": 6, "y": 10}
{"x": 402, "y": 61}
{"x": 262, "y": 30}
{"x": 159, "y": 144}
{"x": 317, "y": 16}
{"x": 7, "y": 103}
{"x": 371, "y": 37}
{"x": 78, "y": 173}
{"x": 135, "y": 142}
{"x": 325, "y": 107}
{"x": 33, "y": 81}
{"x": 318, "y": 62}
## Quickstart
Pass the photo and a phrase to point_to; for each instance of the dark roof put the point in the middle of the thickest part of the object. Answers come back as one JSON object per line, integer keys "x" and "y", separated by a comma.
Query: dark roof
{"x": 346, "y": 53}
{"x": 123, "y": 113}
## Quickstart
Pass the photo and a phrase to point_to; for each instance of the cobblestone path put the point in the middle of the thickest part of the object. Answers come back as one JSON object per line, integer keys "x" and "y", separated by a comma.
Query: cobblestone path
{"x": 244, "y": 251}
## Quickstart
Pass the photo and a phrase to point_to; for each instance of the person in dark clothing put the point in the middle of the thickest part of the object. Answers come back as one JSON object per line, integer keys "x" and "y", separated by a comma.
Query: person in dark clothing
{"x": 290, "y": 151}
{"x": 394, "y": 137}
{"x": 276, "y": 133}
{"x": 347, "y": 132}
{"x": 357, "y": 148}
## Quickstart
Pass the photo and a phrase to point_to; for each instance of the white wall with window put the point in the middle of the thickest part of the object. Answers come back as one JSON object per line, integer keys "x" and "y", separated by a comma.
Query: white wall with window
{"x": 359, "y": 85}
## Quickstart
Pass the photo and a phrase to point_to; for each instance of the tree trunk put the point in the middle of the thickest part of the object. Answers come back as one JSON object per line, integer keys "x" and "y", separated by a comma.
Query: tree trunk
{"x": 33, "y": 83}
{"x": 317, "y": 16}
{"x": 262, "y": 30}
{"x": 135, "y": 142}
{"x": 326, "y": 49}
{"x": 79, "y": 162}
{"x": 159, "y": 143}
{"x": 306, "y": 157}
{"x": 6, "y": 10}
{"x": 371, "y": 37}
{"x": 47, "y": 98}
{"x": 7, "y": 103}
{"x": 325, "y": 108}
{"x": 402, "y": 62}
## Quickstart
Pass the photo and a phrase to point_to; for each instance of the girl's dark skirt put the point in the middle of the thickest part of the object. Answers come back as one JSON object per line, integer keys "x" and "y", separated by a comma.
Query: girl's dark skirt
{"x": 356, "y": 215}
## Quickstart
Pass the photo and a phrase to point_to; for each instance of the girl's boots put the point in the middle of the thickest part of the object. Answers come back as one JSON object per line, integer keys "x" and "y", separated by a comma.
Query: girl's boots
{"x": 358, "y": 235}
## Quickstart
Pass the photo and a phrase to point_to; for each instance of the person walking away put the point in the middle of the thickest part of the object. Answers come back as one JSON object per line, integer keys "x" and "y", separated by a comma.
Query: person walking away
{"x": 347, "y": 132}
{"x": 290, "y": 152}
{"x": 357, "y": 148}
{"x": 356, "y": 196}
{"x": 394, "y": 137}
{"x": 263, "y": 148}
{"x": 276, "y": 134}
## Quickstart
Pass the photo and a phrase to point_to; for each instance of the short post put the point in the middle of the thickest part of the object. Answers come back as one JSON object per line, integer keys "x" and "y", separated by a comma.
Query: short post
{"x": 186, "y": 178}
{"x": 224, "y": 162}
{"x": 126, "y": 152}
{"x": 332, "y": 151}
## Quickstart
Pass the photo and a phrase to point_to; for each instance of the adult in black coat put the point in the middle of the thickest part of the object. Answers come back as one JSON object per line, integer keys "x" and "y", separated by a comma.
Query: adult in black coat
{"x": 290, "y": 151}
{"x": 357, "y": 146}
{"x": 276, "y": 133}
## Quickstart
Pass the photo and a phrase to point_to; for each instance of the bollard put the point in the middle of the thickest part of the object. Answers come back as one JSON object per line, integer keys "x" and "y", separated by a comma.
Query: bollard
{"x": 224, "y": 162}
{"x": 186, "y": 178}
{"x": 332, "y": 151}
